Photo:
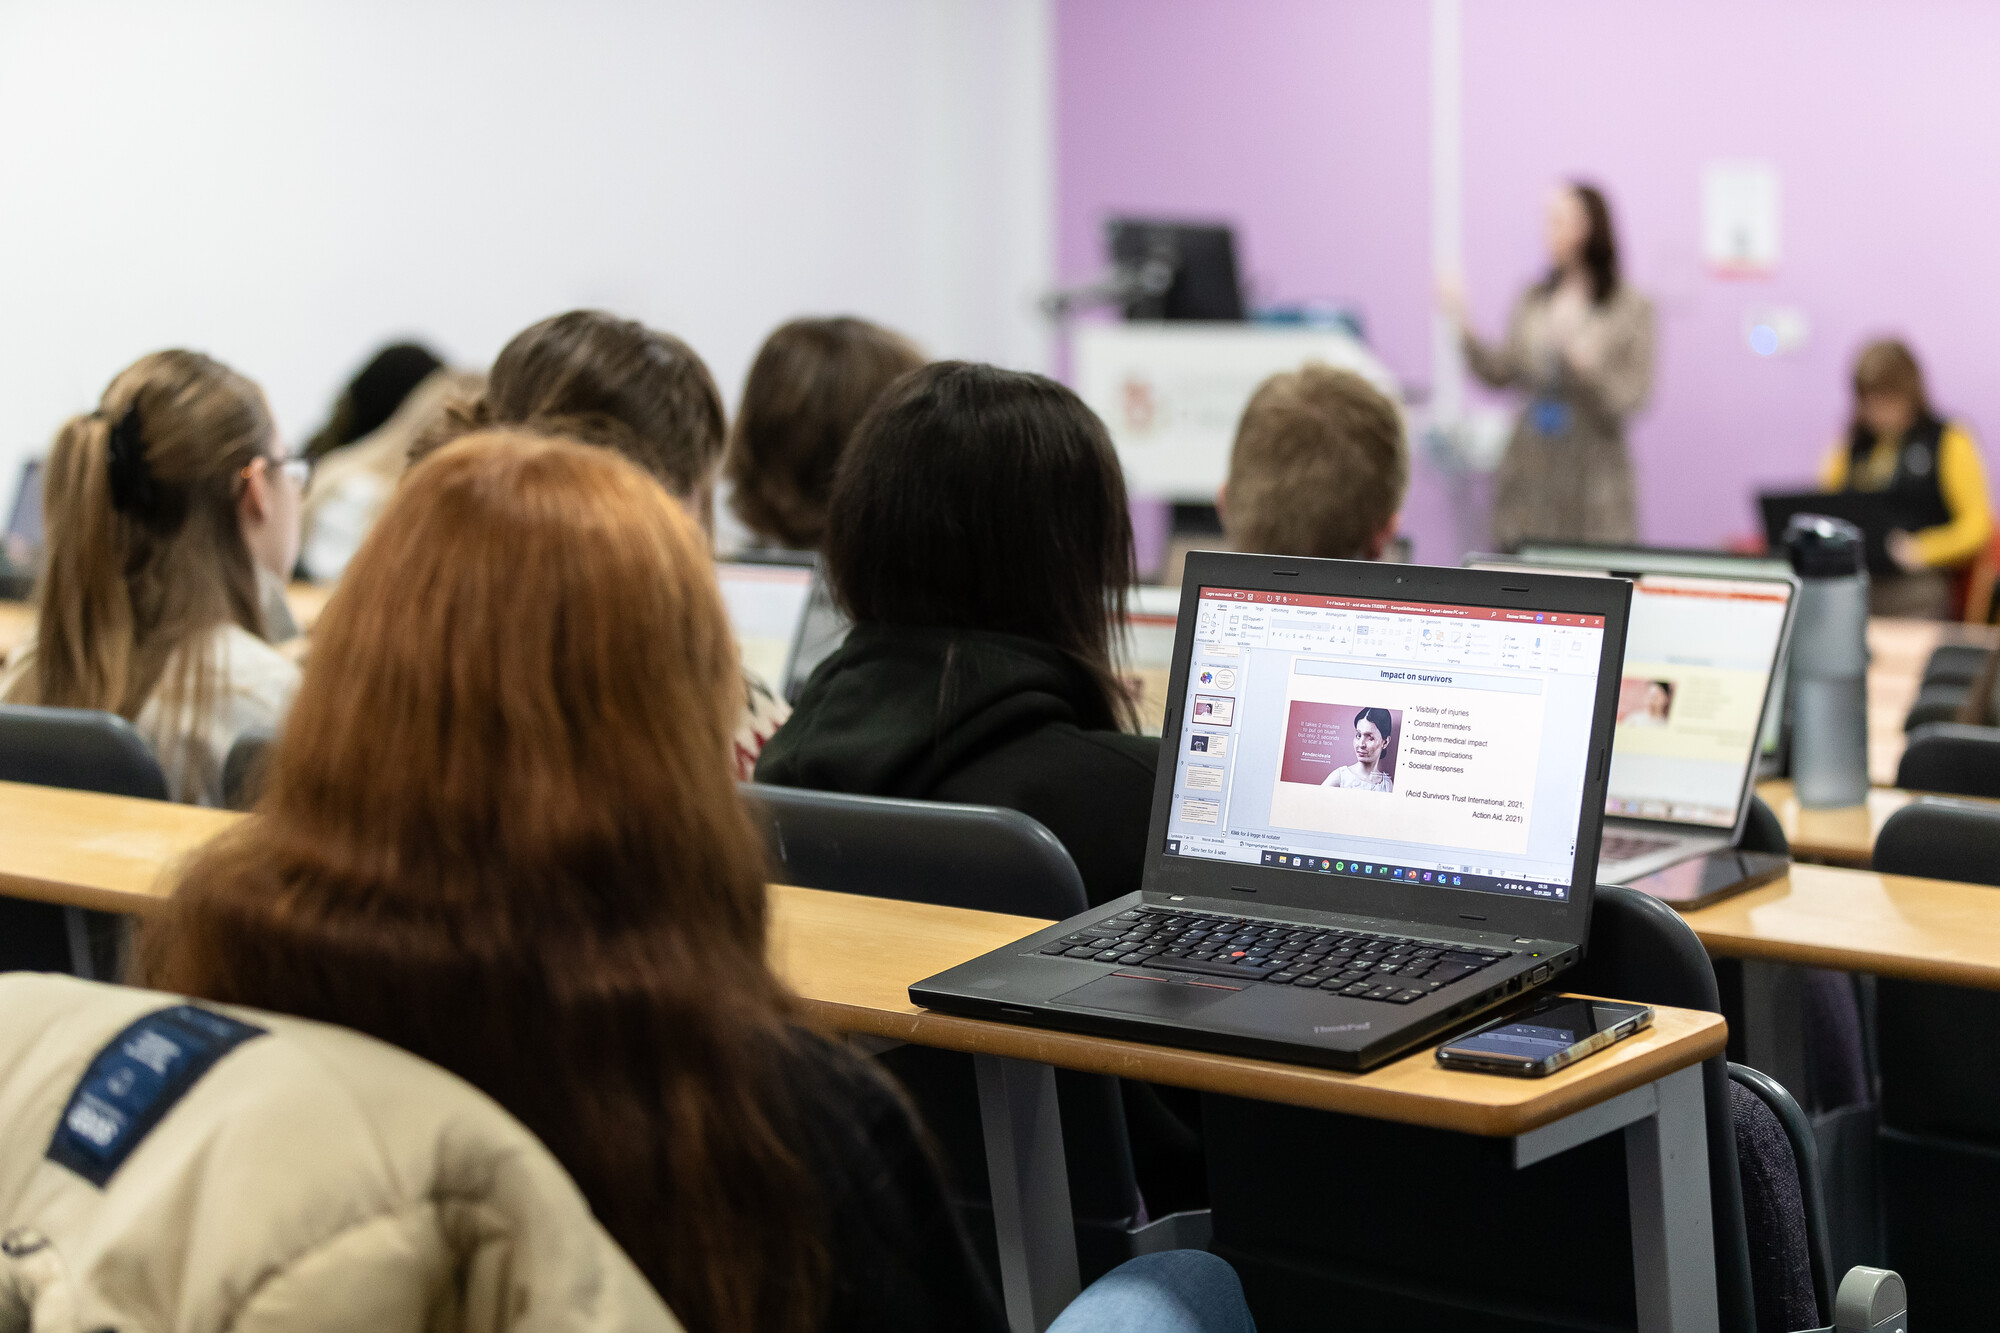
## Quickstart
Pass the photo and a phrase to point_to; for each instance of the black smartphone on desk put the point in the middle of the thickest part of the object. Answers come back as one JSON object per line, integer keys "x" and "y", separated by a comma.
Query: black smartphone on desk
{"x": 1535, "y": 1042}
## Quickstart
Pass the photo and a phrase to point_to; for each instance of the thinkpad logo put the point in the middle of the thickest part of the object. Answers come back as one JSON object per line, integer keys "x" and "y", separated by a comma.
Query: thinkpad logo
{"x": 1342, "y": 1027}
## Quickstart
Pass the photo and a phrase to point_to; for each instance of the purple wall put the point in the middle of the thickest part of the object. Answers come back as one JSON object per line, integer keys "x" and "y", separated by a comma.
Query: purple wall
{"x": 1308, "y": 125}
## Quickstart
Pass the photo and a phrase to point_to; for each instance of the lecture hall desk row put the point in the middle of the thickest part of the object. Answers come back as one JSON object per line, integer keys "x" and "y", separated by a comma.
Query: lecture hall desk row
{"x": 17, "y": 619}
{"x": 852, "y": 959}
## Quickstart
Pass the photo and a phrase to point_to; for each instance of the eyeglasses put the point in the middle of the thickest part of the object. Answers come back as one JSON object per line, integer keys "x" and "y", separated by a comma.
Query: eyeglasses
{"x": 298, "y": 471}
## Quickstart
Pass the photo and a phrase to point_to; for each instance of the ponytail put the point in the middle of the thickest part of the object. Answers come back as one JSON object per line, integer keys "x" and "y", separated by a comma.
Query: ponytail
{"x": 84, "y": 656}
{"x": 145, "y": 553}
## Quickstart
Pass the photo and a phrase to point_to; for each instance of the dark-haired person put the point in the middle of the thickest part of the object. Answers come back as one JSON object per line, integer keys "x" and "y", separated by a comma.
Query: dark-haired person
{"x": 1580, "y": 345}
{"x": 565, "y": 906}
{"x": 167, "y": 509}
{"x": 1319, "y": 468}
{"x": 614, "y": 382}
{"x": 1898, "y": 445}
{"x": 978, "y": 537}
{"x": 1374, "y": 730}
{"x": 812, "y": 382}
{"x": 373, "y": 395}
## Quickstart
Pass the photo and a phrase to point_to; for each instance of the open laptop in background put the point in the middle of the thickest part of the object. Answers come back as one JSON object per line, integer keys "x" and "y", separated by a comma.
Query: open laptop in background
{"x": 766, "y": 604}
{"x": 1876, "y": 513}
{"x": 21, "y": 555}
{"x": 1376, "y": 812}
{"x": 1682, "y": 560}
{"x": 1701, "y": 666}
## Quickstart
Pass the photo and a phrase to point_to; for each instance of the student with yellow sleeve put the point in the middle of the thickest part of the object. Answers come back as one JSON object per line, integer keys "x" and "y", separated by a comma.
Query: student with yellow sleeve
{"x": 1929, "y": 466}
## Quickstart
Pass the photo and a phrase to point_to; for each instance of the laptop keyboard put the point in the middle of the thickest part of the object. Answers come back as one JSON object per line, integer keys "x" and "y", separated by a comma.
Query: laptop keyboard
{"x": 1630, "y": 846}
{"x": 1390, "y": 968}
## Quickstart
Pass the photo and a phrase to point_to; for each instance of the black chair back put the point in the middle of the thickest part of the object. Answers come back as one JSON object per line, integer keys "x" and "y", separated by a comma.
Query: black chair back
{"x": 976, "y": 856}
{"x": 1954, "y": 663}
{"x": 1317, "y": 1211}
{"x": 243, "y": 768}
{"x": 1784, "y": 1204}
{"x": 1764, "y": 832}
{"x": 78, "y": 748}
{"x": 1951, "y": 757}
{"x": 992, "y": 860}
{"x": 1940, "y": 1135}
{"x": 83, "y": 750}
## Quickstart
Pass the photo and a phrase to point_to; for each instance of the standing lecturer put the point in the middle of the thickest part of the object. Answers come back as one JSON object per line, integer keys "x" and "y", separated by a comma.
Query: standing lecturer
{"x": 1580, "y": 344}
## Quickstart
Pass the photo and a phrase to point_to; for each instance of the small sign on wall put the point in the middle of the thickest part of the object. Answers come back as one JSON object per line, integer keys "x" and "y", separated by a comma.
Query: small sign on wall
{"x": 1739, "y": 218}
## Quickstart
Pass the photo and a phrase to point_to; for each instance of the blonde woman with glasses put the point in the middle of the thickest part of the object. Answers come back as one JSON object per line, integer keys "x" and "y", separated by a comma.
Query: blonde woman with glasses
{"x": 167, "y": 509}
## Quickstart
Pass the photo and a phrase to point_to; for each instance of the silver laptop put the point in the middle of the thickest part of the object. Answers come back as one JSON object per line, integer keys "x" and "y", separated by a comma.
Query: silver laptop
{"x": 766, "y": 605}
{"x": 1701, "y": 662}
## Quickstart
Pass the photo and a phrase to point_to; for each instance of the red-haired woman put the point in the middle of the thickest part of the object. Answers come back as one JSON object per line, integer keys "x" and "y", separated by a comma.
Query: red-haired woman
{"x": 500, "y": 833}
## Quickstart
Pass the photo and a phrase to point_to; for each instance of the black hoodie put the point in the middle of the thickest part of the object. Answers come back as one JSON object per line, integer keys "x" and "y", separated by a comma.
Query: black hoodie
{"x": 982, "y": 719}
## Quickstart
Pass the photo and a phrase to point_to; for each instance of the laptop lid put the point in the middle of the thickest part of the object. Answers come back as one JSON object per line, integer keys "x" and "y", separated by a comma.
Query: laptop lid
{"x": 765, "y": 603}
{"x": 1876, "y": 513}
{"x": 1399, "y": 741}
{"x": 1699, "y": 686}
{"x": 24, "y": 524}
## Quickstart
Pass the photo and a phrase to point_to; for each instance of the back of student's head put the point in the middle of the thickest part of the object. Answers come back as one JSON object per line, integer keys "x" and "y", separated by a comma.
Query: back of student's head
{"x": 606, "y": 381}
{"x": 500, "y": 830}
{"x": 373, "y": 395}
{"x": 1319, "y": 467}
{"x": 978, "y": 498}
{"x": 812, "y": 382}
{"x": 145, "y": 550}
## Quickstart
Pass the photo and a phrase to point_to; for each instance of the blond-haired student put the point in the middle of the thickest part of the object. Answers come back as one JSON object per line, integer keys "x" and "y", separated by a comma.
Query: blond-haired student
{"x": 1319, "y": 468}
{"x": 166, "y": 509}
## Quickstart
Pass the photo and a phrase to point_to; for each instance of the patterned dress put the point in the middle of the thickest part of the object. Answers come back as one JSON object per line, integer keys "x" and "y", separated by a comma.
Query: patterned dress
{"x": 1586, "y": 368}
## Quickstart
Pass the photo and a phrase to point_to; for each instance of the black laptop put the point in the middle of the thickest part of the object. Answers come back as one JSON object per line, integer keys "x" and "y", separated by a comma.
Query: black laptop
{"x": 1876, "y": 513}
{"x": 1380, "y": 795}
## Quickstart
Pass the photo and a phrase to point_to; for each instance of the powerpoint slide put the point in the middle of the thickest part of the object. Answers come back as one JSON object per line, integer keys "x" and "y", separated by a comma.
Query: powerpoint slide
{"x": 1431, "y": 755}
{"x": 1216, "y": 710}
{"x": 1644, "y": 701}
{"x": 1217, "y": 746}
{"x": 1689, "y": 712}
{"x": 1342, "y": 745}
{"x": 1199, "y": 812}
{"x": 1204, "y": 777}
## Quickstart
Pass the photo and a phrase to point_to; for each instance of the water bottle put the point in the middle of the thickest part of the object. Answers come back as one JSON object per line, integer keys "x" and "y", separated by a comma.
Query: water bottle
{"x": 1828, "y": 685}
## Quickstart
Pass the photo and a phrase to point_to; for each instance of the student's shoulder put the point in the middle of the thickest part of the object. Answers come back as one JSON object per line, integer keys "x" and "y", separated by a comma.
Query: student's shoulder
{"x": 1110, "y": 751}
{"x": 253, "y": 667}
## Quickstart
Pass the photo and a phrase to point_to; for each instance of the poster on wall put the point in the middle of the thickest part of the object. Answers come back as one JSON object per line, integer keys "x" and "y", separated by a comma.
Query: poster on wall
{"x": 1739, "y": 219}
{"x": 1171, "y": 393}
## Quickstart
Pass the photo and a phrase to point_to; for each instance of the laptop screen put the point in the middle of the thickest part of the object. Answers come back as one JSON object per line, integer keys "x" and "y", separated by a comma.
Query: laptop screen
{"x": 1699, "y": 654}
{"x": 1413, "y": 742}
{"x": 765, "y": 604}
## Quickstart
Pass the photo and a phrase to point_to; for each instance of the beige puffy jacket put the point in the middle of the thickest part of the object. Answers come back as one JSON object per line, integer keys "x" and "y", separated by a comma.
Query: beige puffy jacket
{"x": 294, "y": 1176}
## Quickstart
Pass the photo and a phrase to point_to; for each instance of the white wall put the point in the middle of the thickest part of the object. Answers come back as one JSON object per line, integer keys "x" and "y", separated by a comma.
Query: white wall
{"x": 286, "y": 185}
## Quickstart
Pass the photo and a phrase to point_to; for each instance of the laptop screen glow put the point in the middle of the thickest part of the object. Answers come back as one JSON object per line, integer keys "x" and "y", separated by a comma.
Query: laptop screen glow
{"x": 1441, "y": 744}
{"x": 765, "y": 604}
{"x": 1698, "y": 660}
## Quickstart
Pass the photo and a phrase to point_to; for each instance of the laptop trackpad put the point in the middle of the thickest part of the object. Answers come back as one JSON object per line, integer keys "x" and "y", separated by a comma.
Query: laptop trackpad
{"x": 1128, "y": 994}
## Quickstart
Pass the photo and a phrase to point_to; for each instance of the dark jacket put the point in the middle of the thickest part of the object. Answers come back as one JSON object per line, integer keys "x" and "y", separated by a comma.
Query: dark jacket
{"x": 982, "y": 719}
{"x": 899, "y": 1257}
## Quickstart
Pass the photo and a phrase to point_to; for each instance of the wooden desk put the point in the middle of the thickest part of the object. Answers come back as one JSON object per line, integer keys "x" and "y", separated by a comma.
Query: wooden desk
{"x": 1859, "y": 921}
{"x": 84, "y": 849}
{"x": 1840, "y": 837}
{"x": 853, "y": 959}
{"x": 17, "y": 619}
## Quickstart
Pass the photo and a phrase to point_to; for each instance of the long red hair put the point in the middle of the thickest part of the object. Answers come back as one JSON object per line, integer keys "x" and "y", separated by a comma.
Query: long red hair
{"x": 500, "y": 831}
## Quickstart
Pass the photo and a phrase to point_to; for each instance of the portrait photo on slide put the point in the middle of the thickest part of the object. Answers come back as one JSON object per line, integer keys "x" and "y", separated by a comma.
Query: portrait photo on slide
{"x": 1341, "y": 745}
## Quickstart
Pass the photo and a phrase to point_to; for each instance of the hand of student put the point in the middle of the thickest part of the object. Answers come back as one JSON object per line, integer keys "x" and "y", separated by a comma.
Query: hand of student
{"x": 1451, "y": 300}
{"x": 1904, "y": 551}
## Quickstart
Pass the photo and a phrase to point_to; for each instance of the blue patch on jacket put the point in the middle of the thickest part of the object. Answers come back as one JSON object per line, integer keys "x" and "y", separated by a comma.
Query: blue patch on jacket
{"x": 134, "y": 1081}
